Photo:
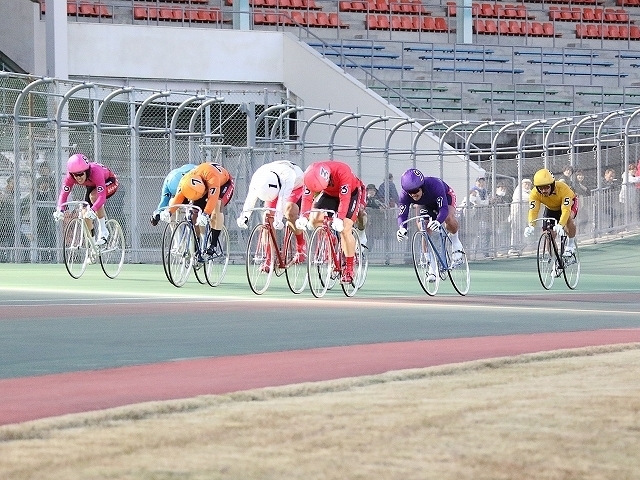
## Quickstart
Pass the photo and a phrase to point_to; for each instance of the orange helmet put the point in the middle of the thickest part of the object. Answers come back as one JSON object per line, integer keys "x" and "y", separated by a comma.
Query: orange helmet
{"x": 316, "y": 177}
{"x": 192, "y": 187}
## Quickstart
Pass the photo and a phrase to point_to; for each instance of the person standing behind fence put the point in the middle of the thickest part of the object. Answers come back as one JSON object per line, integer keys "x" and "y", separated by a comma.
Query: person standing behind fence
{"x": 581, "y": 189}
{"x": 45, "y": 206}
{"x": 567, "y": 177}
{"x": 610, "y": 191}
{"x": 393, "y": 192}
{"x": 629, "y": 181}
{"x": 518, "y": 213}
{"x": 169, "y": 189}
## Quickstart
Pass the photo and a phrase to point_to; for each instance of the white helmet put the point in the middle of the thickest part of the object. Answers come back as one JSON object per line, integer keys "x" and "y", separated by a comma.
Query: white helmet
{"x": 270, "y": 187}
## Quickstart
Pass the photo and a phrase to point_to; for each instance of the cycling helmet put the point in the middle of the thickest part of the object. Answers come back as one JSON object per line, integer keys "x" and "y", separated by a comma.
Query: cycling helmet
{"x": 77, "y": 163}
{"x": 316, "y": 177}
{"x": 411, "y": 180}
{"x": 542, "y": 178}
{"x": 192, "y": 187}
{"x": 269, "y": 187}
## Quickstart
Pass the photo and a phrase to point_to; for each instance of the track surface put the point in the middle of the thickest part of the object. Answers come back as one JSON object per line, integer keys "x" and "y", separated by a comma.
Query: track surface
{"x": 70, "y": 346}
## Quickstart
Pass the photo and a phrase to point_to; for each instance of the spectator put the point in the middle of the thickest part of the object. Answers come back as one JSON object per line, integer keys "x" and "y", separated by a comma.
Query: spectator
{"x": 629, "y": 178}
{"x": 45, "y": 206}
{"x": 500, "y": 195}
{"x": 519, "y": 211}
{"x": 478, "y": 193}
{"x": 372, "y": 197}
{"x": 393, "y": 192}
{"x": 8, "y": 221}
{"x": 610, "y": 188}
{"x": 567, "y": 177}
{"x": 44, "y": 173}
{"x": 581, "y": 188}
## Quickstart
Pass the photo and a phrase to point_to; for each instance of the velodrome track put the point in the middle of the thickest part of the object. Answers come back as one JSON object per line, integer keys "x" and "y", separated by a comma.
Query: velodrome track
{"x": 70, "y": 346}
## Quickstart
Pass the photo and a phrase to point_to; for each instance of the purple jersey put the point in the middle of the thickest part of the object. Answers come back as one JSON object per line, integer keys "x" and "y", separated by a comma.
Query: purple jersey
{"x": 436, "y": 198}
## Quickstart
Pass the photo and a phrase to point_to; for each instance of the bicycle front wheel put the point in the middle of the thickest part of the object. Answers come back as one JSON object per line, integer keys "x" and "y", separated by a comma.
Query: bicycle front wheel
{"x": 350, "y": 289}
{"x": 546, "y": 260}
{"x": 424, "y": 262}
{"x": 320, "y": 262}
{"x": 183, "y": 242}
{"x": 76, "y": 248}
{"x": 260, "y": 259}
{"x": 296, "y": 265}
{"x": 112, "y": 254}
{"x": 216, "y": 257}
{"x": 571, "y": 269}
{"x": 166, "y": 248}
{"x": 458, "y": 268}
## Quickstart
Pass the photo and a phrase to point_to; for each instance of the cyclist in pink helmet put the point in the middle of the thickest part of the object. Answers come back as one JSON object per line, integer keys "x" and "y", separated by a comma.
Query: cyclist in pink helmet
{"x": 100, "y": 182}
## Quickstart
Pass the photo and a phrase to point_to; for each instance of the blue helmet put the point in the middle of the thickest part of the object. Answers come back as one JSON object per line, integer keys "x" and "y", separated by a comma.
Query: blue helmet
{"x": 411, "y": 180}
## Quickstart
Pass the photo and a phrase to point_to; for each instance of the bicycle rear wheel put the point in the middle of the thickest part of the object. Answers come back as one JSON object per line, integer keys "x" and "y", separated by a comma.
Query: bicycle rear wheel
{"x": 166, "y": 248}
{"x": 260, "y": 259}
{"x": 216, "y": 258}
{"x": 350, "y": 289}
{"x": 458, "y": 269}
{"x": 76, "y": 248}
{"x": 571, "y": 269}
{"x": 296, "y": 265}
{"x": 362, "y": 267}
{"x": 183, "y": 242}
{"x": 546, "y": 260}
{"x": 424, "y": 259}
{"x": 320, "y": 262}
{"x": 112, "y": 254}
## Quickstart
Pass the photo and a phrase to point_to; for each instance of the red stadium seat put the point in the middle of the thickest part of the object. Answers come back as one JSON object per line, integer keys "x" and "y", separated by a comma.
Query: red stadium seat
{"x": 491, "y": 27}
{"x": 478, "y": 26}
{"x": 441, "y": 24}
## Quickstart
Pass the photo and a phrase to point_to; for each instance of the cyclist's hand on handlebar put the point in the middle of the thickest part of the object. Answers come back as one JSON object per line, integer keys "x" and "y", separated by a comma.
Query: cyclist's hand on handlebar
{"x": 58, "y": 215}
{"x": 202, "y": 220}
{"x": 528, "y": 231}
{"x": 401, "y": 234}
{"x": 302, "y": 223}
{"x": 165, "y": 216}
{"x": 559, "y": 229}
{"x": 278, "y": 224}
{"x": 243, "y": 220}
{"x": 90, "y": 214}
{"x": 434, "y": 225}
{"x": 337, "y": 224}
{"x": 155, "y": 218}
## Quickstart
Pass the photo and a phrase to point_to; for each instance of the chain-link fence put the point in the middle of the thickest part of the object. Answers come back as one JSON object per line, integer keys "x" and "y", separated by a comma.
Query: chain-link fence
{"x": 143, "y": 134}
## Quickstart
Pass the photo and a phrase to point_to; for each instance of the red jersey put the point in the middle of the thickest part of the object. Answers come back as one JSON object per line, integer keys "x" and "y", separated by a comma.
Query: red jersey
{"x": 342, "y": 182}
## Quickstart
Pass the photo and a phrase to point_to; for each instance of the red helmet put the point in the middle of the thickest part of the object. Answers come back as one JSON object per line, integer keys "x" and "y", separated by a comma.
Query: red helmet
{"x": 316, "y": 177}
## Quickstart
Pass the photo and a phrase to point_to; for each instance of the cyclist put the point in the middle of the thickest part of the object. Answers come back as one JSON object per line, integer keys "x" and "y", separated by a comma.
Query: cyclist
{"x": 434, "y": 198}
{"x": 100, "y": 182}
{"x": 338, "y": 189}
{"x": 279, "y": 185}
{"x": 560, "y": 203}
{"x": 169, "y": 188}
{"x": 210, "y": 187}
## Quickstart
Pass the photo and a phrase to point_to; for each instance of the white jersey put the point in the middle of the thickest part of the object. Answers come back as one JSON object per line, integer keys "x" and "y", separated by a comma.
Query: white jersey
{"x": 290, "y": 176}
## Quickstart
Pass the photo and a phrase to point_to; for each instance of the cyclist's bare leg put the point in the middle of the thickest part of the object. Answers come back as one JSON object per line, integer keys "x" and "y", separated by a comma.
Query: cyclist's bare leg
{"x": 291, "y": 213}
{"x": 102, "y": 217}
{"x": 347, "y": 240}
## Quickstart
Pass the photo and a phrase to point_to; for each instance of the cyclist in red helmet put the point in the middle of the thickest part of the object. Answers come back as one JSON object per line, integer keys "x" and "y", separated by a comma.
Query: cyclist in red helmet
{"x": 100, "y": 182}
{"x": 338, "y": 189}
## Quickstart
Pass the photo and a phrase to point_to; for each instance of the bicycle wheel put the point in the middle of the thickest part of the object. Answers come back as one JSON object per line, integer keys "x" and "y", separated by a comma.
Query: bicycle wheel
{"x": 350, "y": 289}
{"x": 181, "y": 253}
{"x": 546, "y": 260}
{"x": 320, "y": 262}
{"x": 166, "y": 247}
{"x": 296, "y": 265}
{"x": 458, "y": 269}
{"x": 571, "y": 269}
{"x": 424, "y": 259}
{"x": 199, "y": 259}
{"x": 112, "y": 254}
{"x": 76, "y": 248}
{"x": 216, "y": 258}
{"x": 259, "y": 259}
{"x": 363, "y": 267}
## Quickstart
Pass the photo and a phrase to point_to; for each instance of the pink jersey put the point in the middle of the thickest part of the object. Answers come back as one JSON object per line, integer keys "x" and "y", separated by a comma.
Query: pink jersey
{"x": 96, "y": 177}
{"x": 342, "y": 182}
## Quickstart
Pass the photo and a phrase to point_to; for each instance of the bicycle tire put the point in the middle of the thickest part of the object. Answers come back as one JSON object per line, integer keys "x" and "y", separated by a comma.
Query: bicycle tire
{"x": 296, "y": 267}
{"x": 459, "y": 269}
{"x": 166, "y": 243}
{"x": 76, "y": 248}
{"x": 217, "y": 261}
{"x": 364, "y": 267}
{"x": 423, "y": 258}
{"x": 181, "y": 253}
{"x": 260, "y": 259}
{"x": 571, "y": 267}
{"x": 320, "y": 262}
{"x": 546, "y": 260}
{"x": 351, "y": 288}
{"x": 113, "y": 252}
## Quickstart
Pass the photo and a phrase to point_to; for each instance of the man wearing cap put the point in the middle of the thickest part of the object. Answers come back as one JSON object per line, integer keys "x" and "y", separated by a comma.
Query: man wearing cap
{"x": 478, "y": 193}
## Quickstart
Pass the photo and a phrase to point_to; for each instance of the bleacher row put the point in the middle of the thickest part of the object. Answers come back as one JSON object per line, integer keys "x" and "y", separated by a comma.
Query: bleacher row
{"x": 83, "y": 9}
{"x": 177, "y": 14}
{"x": 514, "y": 27}
{"x": 294, "y": 17}
{"x": 588, "y": 14}
{"x": 408, "y": 7}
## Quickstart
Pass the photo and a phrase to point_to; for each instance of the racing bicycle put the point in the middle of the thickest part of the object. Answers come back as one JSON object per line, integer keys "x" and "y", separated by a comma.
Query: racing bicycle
{"x": 552, "y": 263}
{"x": 184, "y": 249}
{"x": 81, "y": 249}
{"x": 434, "y": 252}
{"x": 270, "y": 251}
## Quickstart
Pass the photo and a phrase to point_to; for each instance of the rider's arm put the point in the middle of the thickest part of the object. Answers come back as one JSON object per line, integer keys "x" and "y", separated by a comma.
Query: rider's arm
{"x": 534, "y": 208}
{"x": 67, "y": 183}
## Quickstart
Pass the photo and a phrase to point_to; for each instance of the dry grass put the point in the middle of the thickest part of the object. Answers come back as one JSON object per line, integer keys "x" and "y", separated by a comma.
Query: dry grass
{"x": 571, "y": 414}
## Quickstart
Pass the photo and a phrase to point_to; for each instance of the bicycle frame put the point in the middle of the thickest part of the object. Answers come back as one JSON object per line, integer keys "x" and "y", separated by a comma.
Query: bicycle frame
{"x": 551, "y": 260}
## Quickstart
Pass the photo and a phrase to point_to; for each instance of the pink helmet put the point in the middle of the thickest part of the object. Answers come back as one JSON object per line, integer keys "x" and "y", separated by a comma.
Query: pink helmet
{"x": 77, "y": 163}
{"x": 316, "y": 177}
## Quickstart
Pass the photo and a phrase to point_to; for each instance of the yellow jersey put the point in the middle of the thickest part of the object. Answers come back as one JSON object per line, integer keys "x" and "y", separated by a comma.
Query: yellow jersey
{"x": 560, "y": 200}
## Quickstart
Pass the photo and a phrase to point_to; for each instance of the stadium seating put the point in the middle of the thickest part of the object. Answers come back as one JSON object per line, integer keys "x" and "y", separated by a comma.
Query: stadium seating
{"x": 84, "y": 9}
